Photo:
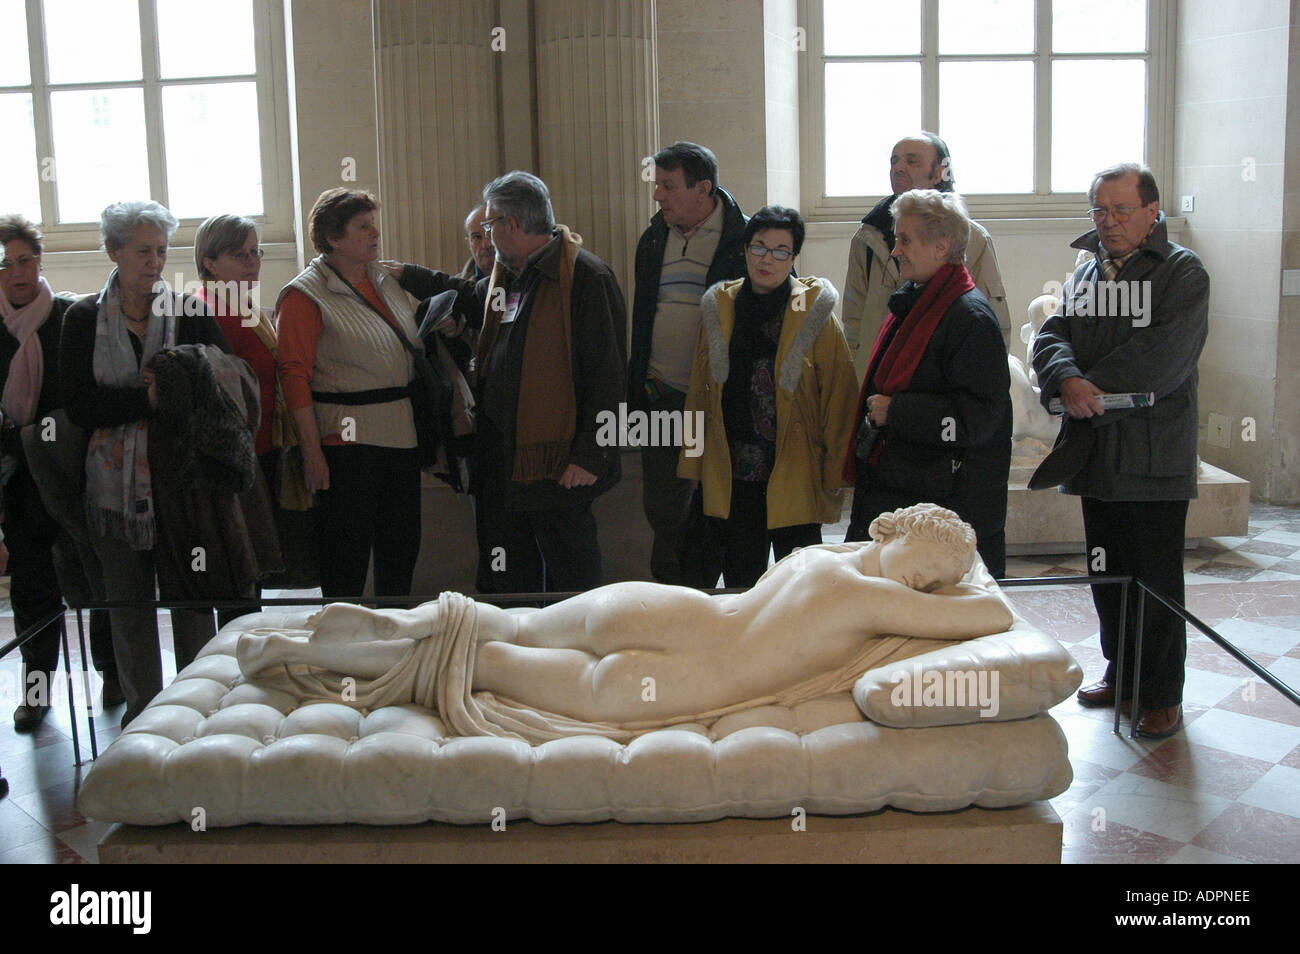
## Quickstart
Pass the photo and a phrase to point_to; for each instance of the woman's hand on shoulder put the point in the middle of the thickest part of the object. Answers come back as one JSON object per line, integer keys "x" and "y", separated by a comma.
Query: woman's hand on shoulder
{"x": 393, "y": 268}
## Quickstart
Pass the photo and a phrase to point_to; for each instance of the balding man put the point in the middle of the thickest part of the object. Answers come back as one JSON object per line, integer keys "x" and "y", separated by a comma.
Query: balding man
{"x": 917, "y": 162}
{"x": 482, "y": 256}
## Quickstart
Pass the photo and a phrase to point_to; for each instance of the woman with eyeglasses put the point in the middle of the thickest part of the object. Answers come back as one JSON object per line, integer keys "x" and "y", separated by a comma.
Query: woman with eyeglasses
{"x": 775, "y": 385}
{"x": 934, "y": 419}
{"x": 229, "y": 260}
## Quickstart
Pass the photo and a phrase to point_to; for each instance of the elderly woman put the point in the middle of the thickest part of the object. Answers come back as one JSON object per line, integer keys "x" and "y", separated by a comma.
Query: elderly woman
{"x": 229, "y": 261}
{"x": 934, "y": 417}
{"x": 345, "y": 370}
{"x": 774, "y": 381}
{"x": 29, "y": 382}
{"x": 140, "y": 514}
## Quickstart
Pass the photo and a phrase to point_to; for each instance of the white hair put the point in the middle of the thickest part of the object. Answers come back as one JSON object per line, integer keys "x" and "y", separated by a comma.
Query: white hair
{"x": 120, "y": 220}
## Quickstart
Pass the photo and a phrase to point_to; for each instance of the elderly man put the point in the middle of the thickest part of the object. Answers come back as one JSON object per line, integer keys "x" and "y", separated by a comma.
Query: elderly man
{"x": 917, "y": 162}
{"x": 29, "y": 375}
{"x": 550, "y": 358}
{"x": 481, "y": 253}
{"x": 1134, "y": 468}
{"x": 694, "y": 241}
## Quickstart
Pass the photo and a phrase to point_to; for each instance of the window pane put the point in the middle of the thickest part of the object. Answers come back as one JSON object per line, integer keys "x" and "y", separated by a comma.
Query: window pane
{"x": 1099, "y": 26}
{"x": 99, "y": 149}
{"x": 213, "y": 160}
{"x": 19, "y": 188}
{"x": 219, "y": 46}
{"x": 986, "y": 114}
{"x": 14, "y": 67}
{"x": 871, "y": 27}
{"x": 986, "y": 26}
{"x": 91, "y": 41}
{"x": 1078, "y": 88}
{"x": 869, "y": 106}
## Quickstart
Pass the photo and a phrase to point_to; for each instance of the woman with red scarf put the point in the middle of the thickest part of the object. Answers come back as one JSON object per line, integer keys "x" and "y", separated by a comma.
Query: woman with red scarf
{"x": 934, "y": 415}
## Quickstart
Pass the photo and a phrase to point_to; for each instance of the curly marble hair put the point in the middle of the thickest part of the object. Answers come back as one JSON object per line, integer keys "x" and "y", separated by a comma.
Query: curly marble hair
{"x": 927, "y": 521}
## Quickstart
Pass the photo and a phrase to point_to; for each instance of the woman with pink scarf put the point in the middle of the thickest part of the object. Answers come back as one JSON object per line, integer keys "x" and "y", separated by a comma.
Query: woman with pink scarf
{"x": 29, "y": 391}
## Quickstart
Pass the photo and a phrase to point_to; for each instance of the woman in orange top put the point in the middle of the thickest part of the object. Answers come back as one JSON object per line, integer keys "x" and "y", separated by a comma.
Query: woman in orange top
{"x": 345, "y": 371}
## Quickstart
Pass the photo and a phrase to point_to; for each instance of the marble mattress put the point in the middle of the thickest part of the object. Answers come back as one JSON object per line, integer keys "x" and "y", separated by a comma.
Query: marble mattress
{"x": 212, "y": 745}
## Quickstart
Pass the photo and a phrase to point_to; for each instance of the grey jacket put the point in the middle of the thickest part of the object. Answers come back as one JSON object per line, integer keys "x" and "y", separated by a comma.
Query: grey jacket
{"x": 1154, "y": 345}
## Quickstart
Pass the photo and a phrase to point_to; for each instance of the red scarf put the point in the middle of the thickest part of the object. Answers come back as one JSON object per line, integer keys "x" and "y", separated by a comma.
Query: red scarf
{"x": 891, "y": 367}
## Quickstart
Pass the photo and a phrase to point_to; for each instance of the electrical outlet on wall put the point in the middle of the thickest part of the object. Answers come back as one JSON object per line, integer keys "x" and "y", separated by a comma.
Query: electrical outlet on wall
{"x": 1218, "y": 431}
{"x": 1188, "y": 204}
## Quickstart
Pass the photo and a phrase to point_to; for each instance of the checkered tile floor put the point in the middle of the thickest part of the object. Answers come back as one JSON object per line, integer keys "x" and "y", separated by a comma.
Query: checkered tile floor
{"x": 1225, "y": 790}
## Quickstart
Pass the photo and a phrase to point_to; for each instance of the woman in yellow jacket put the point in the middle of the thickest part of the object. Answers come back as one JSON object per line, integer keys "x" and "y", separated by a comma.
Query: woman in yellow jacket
{"x": 776, "y": 385}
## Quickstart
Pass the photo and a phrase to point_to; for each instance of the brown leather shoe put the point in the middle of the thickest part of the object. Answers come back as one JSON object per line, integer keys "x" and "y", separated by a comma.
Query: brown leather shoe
{"x": 1160, "y": 723}
{"x": 1099, "y": 694}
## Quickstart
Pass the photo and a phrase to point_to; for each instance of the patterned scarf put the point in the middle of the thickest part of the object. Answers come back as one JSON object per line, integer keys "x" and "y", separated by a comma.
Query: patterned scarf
{"x": 22, "y": 391}
{"x": 119, "y": 495}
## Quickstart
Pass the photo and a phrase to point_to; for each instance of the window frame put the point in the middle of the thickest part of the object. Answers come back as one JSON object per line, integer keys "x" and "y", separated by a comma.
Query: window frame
{"x": 1041, "y": 203}
{"x": 276, "y": 220}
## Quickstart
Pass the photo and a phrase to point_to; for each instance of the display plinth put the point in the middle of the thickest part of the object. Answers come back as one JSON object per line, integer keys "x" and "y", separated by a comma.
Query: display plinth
{"x": 1029, "y": 834}
{"x": 1047, "y": 521}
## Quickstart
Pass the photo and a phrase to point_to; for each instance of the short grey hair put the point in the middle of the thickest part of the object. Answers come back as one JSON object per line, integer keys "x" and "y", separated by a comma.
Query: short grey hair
{"x": 1148, "y": 191}
{"x": 942, "y": 216}
{"x": 220, "y": 233}
{"x": 523, "y": 197}
{"x": 120, "y": 220}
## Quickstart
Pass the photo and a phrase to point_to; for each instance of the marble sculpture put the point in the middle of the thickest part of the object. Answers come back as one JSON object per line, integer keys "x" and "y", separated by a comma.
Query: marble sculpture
{"x": 630, "y": 657}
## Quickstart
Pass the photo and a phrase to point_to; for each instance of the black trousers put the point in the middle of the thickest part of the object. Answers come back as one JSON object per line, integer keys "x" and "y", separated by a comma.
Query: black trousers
{"x": 745, "y": 539}
{"x": 528, "y": 551}
{"x": 1143, "y": 539}
{"x": 666, "y": 499}
{"x": 372, "y": 506}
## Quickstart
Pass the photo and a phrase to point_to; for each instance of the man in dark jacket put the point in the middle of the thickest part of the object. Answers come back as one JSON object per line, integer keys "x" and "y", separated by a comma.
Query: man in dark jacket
{"x": 1133, "y": 319}
{"x": 694, "y": 241}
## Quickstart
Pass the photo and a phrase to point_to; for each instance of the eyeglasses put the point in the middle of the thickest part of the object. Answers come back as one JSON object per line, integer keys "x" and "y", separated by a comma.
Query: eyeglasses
{"x": 778, "y": 254}
{"x": 21, "y": 261}
{"x": 1121, "y": 213}
{"x": 247, "y": 258}
{"x": 488, "y": 223}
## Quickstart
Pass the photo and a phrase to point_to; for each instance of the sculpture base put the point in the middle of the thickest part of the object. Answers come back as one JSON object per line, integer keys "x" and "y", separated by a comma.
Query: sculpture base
{"x": 1029, "y": 834}
{"x": 1046, "y": 521}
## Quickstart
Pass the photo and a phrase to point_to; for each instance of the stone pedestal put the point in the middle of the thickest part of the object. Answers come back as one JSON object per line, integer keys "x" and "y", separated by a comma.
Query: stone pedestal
{"x": 1047, "y": 521}
{"x": 1030, "y": 834}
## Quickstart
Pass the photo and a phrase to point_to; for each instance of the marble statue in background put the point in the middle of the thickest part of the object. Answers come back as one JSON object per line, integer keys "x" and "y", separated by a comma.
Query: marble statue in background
{"x": 630, "y": 657}
{"x": 1029, "y": 419}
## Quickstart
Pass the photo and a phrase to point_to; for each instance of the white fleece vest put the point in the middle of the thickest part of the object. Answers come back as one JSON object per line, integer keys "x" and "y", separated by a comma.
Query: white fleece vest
{"x": 358, "y": 352}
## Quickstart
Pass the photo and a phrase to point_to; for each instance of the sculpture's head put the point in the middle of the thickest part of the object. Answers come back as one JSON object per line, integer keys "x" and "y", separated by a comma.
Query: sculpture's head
{"x": 924, "y": 546}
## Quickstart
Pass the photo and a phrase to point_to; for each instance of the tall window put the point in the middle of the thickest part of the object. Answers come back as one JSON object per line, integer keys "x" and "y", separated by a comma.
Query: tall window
{"x": 1032, "y": 96}
{"x": 103, "y": 100}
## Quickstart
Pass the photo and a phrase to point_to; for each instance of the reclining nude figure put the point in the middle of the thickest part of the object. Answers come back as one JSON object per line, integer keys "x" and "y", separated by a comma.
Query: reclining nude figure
{"x": 629, "y": 657}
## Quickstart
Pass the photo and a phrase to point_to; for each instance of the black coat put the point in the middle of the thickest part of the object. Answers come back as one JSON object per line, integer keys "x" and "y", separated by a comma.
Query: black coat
{"x": 948, "y": 436}
{"x": 728, "y": 263}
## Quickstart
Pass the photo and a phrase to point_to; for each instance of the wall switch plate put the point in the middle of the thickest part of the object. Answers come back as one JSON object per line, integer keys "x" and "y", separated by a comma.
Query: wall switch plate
{"x": 1217, "y": 433}
{"x": 1188, "y": 204}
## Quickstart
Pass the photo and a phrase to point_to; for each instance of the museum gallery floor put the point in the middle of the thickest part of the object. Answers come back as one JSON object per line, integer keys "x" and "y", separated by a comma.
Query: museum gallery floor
{"x": 1226, "y": 790}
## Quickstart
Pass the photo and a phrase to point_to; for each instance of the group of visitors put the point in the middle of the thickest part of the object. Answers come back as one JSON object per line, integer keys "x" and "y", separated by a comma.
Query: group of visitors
{"x": 154, "y": 441}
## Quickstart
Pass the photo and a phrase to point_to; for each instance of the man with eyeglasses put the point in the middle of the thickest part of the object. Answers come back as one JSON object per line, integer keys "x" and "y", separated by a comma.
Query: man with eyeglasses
{"x": 29, "y": 391}
{"x": 917, "y": 162}
{"x": 694, "y": 241}
{"x": 1134, "y": 468}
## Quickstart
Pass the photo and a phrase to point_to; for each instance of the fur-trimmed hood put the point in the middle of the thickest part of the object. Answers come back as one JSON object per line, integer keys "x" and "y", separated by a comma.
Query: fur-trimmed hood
{"x": 815, "y": 298}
